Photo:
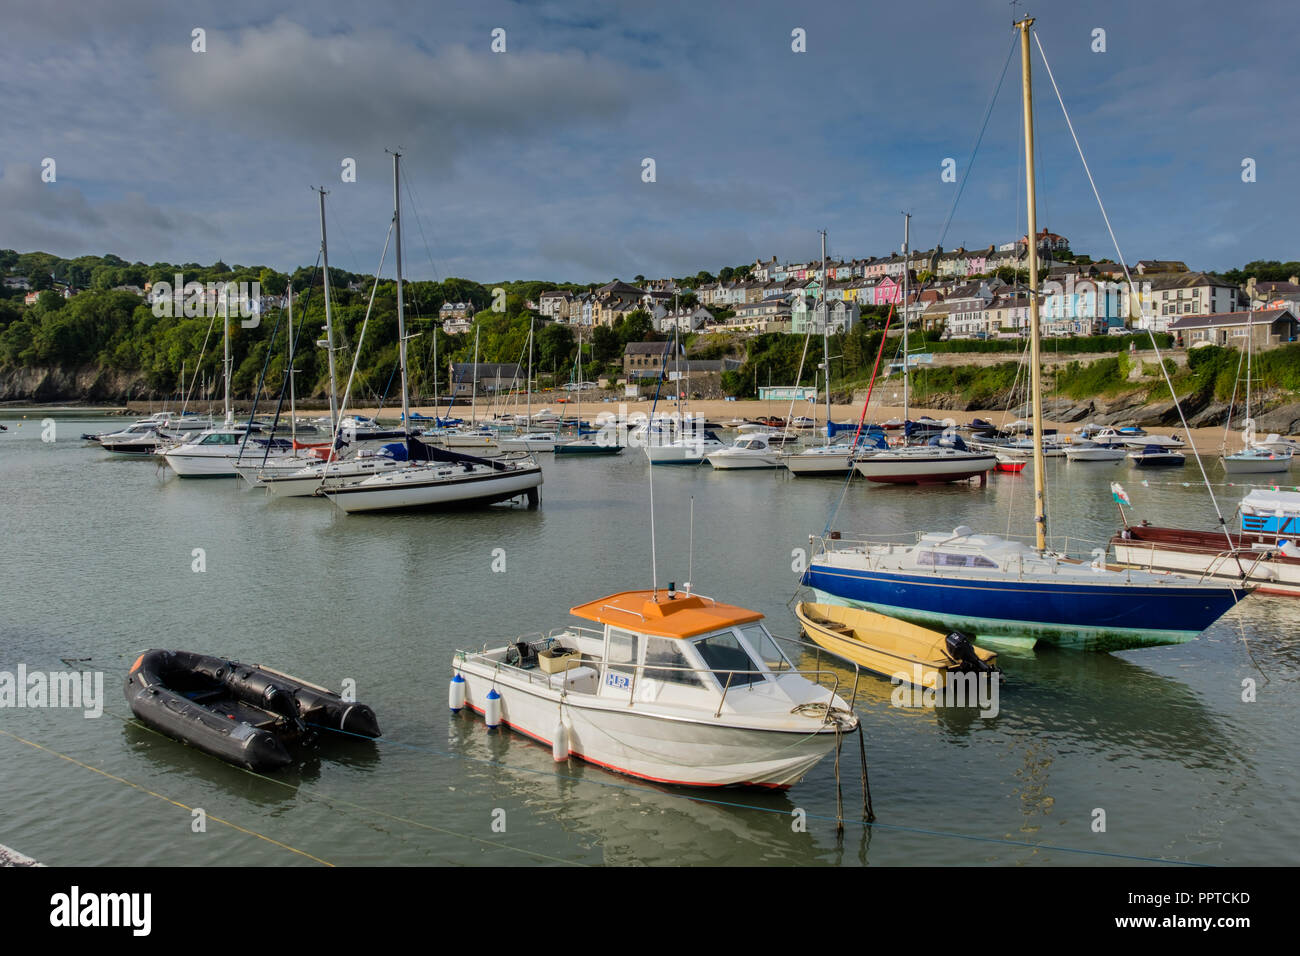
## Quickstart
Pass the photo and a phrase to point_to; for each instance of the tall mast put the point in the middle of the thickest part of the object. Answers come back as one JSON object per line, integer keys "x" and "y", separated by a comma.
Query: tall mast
{"x": 529, "y": 384}
{"x": 225, "y": 334}
{"x": 473, "y": 395}
{"x": 1036, "y": 372}
{"x": 401, "y": 306}
{"x": 329, "y": 318}
{"x": 907, "y": 257}
{"x": 826, "y": 342}
{"x": 1250, "y": 341}
{"x": 293, "y": 411}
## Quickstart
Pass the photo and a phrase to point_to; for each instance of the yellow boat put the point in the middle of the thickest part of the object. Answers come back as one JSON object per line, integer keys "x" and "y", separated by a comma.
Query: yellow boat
{"x": 889, "y": 647}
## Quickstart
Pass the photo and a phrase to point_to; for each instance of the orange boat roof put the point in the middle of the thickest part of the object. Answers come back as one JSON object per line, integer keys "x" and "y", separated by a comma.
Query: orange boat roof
{"x": 686, "y": 615}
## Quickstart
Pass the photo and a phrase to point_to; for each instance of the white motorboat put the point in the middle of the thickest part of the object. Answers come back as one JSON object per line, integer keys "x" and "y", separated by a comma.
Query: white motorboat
{"x": 925, "y": 464}
{"x": 1257, "y": 460}
{"x": 672, "y": 688}
{"x": 533, "y": 441}
{"x": 747, "y": 451}
{"x": 215, "y": 453}
{"x": 140, "y": 440}
{"x": 477, "y": 440}
{"x": 1086, "y": 450}
{"x": 834, "y": 459}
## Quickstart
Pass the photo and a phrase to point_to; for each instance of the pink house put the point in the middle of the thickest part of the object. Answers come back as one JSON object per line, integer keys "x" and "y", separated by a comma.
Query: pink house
{"x": 888, "y": 290}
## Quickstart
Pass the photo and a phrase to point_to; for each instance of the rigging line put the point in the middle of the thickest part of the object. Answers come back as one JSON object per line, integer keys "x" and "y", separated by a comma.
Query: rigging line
{"x": 295, "y": 336}
{"x": 1134, "y": 297}
{"x": 419, "y": 223}
{"x": 202, "y": 351}
{"x": 331, "y": 800}
{"x": 176, "y": 803}
{"x": 356, "y": 355}
{"x": 947, "y": 223}
{"x": 1232, "y": 405}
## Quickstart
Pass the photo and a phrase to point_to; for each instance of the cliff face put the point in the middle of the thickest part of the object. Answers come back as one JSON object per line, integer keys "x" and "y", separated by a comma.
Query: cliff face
{"x": 53, "y": 383}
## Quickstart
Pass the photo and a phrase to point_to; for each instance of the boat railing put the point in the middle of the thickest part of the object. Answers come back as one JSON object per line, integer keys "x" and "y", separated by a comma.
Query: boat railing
{"x": 835, "y": 541}
{"x": 539, "y": 678}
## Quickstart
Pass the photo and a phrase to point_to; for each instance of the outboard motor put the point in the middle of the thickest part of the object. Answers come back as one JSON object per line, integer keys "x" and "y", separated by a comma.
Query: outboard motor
{"x": 961, "y": 650}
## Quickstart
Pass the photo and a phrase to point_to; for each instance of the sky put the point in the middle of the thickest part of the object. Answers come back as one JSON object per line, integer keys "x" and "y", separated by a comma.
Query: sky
{"x": 530, "y": 163}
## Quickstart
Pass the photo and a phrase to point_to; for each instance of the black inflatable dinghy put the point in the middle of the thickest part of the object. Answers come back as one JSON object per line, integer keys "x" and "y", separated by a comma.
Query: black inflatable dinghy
{"x": 243, "y": 713}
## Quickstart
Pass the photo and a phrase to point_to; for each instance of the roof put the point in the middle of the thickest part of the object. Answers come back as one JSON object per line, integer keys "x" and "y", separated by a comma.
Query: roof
{"x": 1258, "y": 317}
{"x": 1187, "y": 280}
{"x": 686, "y": 615}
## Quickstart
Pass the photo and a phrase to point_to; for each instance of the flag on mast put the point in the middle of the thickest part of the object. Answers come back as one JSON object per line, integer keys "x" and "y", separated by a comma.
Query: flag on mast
{"x": 1119, "y": 494}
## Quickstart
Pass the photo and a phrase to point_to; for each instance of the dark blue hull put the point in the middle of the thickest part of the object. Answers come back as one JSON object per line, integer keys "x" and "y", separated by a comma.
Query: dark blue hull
{"x": 1086, "y": 616}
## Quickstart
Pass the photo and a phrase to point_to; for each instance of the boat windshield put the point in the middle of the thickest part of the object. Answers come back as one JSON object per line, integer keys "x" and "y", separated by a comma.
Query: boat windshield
{"x": 665, "y": 661}
{"x": 768, "y": 650}
{"x": 721, "y": 653}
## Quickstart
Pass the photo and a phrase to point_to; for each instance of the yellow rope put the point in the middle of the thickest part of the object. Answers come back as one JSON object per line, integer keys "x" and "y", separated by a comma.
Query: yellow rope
{"x": 177, "y": 803}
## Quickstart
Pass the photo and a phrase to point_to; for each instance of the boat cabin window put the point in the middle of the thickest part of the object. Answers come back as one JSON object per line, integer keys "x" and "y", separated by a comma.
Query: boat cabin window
{"x": 769, "y": 652}
{"x": 664, "y": 661}
{"x": 942, "y": 559}
{"x": 221, "y": 438}
{"x": 621, "y": 655}
{"x": 721, "y": 653}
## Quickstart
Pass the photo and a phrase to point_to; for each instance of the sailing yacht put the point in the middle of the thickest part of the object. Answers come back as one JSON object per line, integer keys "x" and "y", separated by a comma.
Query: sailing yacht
{"x": 1002, "y": 590}
{"x": 944, "y": 458}
{"x": 215, "y": 452}
{"x": 1254, "y": 459}
{"x": 433, "y": 477}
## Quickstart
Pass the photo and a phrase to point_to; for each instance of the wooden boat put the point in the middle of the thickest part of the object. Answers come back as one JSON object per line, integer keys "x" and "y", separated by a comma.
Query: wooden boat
{"x": 887, "y": 646}
{"x": 245, "y": 714}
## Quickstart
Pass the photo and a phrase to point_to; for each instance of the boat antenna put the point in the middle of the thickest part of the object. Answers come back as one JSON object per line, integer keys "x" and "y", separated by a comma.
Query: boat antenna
{"x": 690, "y": 560}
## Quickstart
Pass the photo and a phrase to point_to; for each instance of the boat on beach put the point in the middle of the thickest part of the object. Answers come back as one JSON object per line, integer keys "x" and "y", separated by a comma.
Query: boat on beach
{"x": 676, "y": 688}
{"x": 246, "y": 714}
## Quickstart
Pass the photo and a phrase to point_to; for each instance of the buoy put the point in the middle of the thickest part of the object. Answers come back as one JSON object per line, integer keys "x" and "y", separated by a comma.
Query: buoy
{"x": 492, "y": 709}
{"x": 560, "y": 742}
{"x": 457, "y": 693}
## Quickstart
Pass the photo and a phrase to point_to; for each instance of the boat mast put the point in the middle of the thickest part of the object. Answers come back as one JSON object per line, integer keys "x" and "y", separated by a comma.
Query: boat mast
{"x": 1040, "y": 467}
{"x": 826, "y": 343}
{"x": 401, "y": 306}
{"x": 529, "y": 384}
{"x": 329, "y": 318}
{"x": 1250, "y": 335}
{"x": 473, "y": 395}
{"x": 907, "y": 256}
{"x": 293, "y": 411}
{"x": 225, "y": 363}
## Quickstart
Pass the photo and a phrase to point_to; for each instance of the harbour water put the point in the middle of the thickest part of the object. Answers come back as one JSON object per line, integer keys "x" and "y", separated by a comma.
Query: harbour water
{"x": 98, "y": 561}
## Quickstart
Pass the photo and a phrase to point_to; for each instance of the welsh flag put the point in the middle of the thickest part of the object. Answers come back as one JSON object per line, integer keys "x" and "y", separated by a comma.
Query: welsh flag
{"x": 1119, "y": 494}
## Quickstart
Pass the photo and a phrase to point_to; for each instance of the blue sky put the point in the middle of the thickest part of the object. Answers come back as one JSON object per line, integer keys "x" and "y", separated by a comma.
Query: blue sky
{"x": 527, "y": 164}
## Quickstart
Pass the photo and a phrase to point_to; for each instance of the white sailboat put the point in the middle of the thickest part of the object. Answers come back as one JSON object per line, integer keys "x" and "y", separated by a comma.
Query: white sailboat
{"x": 434, "y": 478}
{"x": 1254, "y": 459}
{"x": 998, "y": 589}
{"x": 941, "y": 461}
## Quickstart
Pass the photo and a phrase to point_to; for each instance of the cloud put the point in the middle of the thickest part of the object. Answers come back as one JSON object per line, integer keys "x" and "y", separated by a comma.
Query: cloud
{"x": 351, "y": 91}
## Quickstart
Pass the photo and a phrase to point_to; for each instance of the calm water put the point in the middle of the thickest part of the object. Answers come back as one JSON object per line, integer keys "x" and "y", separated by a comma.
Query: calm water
{"x": 96, "y": 567}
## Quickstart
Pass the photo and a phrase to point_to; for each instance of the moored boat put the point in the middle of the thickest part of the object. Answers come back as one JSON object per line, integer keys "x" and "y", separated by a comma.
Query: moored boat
{"x": 674, "y": 687}
{"x": 892, "y": 648}
{"x": 248, "y": 715}
{"x": 1262, "y": 552}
